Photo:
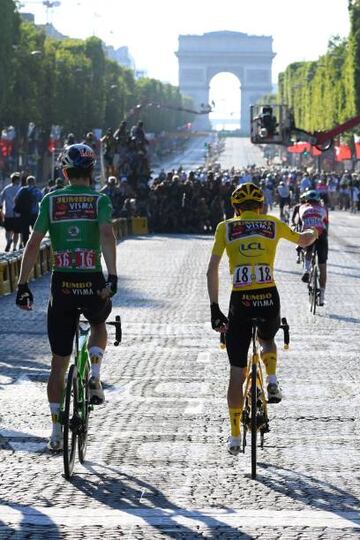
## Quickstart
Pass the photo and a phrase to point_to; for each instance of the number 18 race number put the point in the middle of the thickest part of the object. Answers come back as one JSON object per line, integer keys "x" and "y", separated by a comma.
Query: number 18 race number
{"x": 248, "y": 275}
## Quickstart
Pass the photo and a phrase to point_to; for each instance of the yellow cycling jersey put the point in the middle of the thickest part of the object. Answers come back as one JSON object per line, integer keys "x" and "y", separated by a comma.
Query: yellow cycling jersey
{"x": 250, "y": 241}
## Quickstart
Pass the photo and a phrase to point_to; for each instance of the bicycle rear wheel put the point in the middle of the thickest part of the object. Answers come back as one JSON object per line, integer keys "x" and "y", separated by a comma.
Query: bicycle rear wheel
{"x": 85, "y": 407}
{"x": 70, "y": 421}
{"x": 253, "y": 420}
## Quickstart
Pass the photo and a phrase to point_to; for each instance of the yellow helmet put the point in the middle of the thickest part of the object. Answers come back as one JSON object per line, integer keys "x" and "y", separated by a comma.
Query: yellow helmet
{"x": 247, "y": 192}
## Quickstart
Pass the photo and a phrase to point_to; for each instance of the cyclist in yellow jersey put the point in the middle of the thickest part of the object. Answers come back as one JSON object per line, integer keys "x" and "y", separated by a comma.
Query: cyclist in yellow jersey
{"x": 250, "y": 239}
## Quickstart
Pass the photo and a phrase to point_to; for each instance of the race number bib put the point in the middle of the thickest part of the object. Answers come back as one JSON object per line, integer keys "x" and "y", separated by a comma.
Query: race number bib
{"x": 85, "y": 259}
{"x": 249, "y": 275}
{"x": 63, "y": 259}
{"x": 81, "y": 259}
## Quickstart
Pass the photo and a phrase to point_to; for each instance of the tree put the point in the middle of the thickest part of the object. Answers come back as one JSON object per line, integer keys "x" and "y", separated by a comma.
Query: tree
{"x": 9, "y": 30}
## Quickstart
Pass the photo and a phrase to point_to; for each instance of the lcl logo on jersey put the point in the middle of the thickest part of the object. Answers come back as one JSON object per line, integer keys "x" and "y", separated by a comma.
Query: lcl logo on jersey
{"x": 251, "y": 249}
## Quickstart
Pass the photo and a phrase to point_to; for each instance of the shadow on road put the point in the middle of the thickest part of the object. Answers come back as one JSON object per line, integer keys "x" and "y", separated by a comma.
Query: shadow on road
{"x": 344, "y": 318}
{"x": 124, "y": 492}
{"x": 32, "y": 524}
{"x": 310, "y": 491}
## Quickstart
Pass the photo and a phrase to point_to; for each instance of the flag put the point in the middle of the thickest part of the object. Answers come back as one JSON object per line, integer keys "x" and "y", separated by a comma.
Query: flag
{"x": 342, "y": 152}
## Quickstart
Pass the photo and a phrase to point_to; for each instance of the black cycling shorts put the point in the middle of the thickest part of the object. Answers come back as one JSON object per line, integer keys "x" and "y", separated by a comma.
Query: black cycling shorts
{"x": 69, "y": 292}
{"x": 283, "y": 201}
{"x": 263, "y": 304}
{"x": 12, "y": 224}
{"x": 321, "y": 246}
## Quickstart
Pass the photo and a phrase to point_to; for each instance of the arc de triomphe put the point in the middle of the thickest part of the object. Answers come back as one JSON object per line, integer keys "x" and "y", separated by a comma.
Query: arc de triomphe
{"x": 248, "y": 57}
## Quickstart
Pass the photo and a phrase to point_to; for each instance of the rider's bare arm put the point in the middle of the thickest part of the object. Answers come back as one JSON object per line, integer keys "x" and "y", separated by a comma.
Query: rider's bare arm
{"x": 307, "y": 237}
{"x": 108, "y": 247}
{"x": 213, "y": 278}
{"x": 29, "y": 257}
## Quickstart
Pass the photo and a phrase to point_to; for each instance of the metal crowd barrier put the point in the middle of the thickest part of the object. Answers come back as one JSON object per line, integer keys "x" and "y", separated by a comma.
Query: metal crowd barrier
{"x": 10, "y": 263}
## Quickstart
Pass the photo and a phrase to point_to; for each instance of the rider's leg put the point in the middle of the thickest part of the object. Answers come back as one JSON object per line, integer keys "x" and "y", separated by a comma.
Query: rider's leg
{"x": 96, "y": 313}
{"x": 55, "y": 391}
{"x": 322, "y": 250}
{"x": 269, "y": 357}
{"x": 61, "y": 331}
{"x": 235, "y": 397}
{"x": 8, "y": 236}
{"x": 322, "y": 282}
{"x": 307, "y": 261}
{"x": 237, "y": 350}
{"x": 322, "y": 278}
{"x": 307, "y": 264}
{"x": 298, "y": 251}
{"x": 96, "y": 346}
{"x": 15, "y": 240}
{"x": 56, "y": 382}
{"x": 267, "y": 330}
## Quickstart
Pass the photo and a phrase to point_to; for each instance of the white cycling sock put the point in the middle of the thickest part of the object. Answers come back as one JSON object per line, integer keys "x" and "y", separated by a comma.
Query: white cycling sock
{"x": 96, "y": 355}
{"x": 307, "y": 265}
{"x": 56, "y": 426}
{"x": 271, "y": 379}
{"x": 54, "y": 409}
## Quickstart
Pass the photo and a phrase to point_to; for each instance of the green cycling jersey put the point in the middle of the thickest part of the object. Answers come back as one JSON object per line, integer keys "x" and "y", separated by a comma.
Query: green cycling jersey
{"x": 72, "y": 216}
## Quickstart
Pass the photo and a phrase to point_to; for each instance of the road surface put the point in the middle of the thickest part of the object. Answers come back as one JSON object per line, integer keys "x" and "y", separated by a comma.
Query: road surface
{"x": 157, "y": 466}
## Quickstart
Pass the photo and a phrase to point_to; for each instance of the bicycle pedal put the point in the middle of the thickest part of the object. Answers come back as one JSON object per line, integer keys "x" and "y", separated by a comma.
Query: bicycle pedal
{"x": 260, "y": 420}
{"x": 95, "y": 400}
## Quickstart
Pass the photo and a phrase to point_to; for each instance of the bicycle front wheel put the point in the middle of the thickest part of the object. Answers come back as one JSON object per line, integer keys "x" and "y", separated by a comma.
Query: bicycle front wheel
{"x": 253, "y": 420}
{"x": 85, "y": 408}
{"x": 70, "y": 422}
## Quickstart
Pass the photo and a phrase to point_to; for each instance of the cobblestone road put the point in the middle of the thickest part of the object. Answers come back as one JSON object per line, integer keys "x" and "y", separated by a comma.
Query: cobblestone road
{"x": 156, "y": 464}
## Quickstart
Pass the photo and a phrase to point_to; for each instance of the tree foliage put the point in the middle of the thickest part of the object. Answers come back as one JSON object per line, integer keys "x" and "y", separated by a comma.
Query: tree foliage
{"x": 326, "y": 92}
{"x": 9, "y": 28}
{"x": 73, "y": 84}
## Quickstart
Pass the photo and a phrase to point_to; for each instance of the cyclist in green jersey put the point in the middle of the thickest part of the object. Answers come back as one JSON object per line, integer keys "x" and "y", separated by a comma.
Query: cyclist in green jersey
{"x": 78, "y": 220}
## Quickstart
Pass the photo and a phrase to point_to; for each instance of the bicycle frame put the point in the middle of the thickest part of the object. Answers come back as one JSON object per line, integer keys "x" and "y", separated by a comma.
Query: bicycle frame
{"x": 82, "y": 360}
{"x": 255, "y": 408}
{"x": 83, "y": 366}
{"x": 254, "y": 361}
{"x": 76, "y": 406}
{"x": 255, "y": 413}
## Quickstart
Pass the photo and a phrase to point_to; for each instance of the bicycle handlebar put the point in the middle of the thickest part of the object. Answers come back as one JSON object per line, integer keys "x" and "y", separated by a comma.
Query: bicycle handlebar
{"x": 118, "y": 330}
{"x": 284, "y": 327}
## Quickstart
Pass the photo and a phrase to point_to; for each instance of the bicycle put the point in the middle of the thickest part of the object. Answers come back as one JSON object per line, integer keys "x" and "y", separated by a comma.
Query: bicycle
{"x": 314, "y": 284}
{"x": 76, "y": 407}
{"x": 255, "y": 417}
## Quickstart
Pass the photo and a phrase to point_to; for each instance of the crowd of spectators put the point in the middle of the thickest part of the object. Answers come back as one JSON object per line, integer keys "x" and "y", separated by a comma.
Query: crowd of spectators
{"x": 195, "y": 201}
{"x": 175, "y": 201}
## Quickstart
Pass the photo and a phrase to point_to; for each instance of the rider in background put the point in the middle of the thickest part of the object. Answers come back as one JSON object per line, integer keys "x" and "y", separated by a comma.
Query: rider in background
{"x": 284, "y": 197}
{"x": 314, "y": 214}
{"x": 296, "y": 225}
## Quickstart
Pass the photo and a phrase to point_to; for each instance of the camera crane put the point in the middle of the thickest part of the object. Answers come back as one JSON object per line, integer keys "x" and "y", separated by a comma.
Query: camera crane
{"x": 274, "y": 124}
{"x": 204, "y": 109}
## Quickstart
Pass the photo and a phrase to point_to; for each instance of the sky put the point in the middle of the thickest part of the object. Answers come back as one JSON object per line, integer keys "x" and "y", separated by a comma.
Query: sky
{"x": 300, "y": 29}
